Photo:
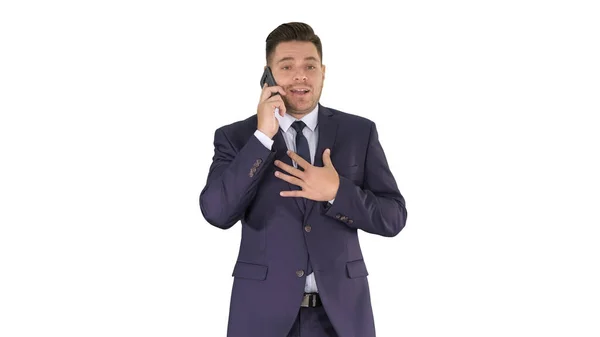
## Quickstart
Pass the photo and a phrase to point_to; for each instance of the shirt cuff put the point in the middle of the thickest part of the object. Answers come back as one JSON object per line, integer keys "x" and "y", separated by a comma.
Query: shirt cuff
{"x": 264, "y": 139}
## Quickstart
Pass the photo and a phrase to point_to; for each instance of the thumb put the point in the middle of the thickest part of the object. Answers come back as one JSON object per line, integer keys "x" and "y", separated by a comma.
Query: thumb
{"x": 327, "y": 157}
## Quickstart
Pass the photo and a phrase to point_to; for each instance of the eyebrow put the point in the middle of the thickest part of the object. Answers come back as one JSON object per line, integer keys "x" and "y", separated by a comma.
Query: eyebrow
{"x": 289, "y": 58}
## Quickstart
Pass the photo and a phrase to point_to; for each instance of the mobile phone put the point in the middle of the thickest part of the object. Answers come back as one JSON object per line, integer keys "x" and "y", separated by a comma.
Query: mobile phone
{"x": 267, "y": 77}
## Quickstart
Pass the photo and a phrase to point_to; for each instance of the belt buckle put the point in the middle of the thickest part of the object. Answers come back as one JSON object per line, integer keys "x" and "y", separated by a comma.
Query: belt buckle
{"x": 304, "y": 301}
{"x": 309, "y": 301}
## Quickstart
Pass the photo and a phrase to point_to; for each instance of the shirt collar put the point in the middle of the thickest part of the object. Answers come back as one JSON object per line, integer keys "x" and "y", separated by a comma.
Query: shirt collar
{"x": 310, "y": 119}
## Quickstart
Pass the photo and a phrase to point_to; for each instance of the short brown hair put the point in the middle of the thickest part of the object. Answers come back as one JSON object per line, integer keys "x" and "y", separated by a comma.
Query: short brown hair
{"x": 293, "y": 31}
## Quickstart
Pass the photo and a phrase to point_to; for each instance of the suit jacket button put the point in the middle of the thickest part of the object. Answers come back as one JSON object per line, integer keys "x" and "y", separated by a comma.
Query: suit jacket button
{"x": 307, "y": 228}
{"x": 300, "y": 273}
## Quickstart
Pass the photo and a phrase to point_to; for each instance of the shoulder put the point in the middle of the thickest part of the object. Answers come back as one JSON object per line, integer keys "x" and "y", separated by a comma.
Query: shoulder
{"x": 347, "y": 119}
{"x": 236, "y": 134}
{"x": 239, "y": 128}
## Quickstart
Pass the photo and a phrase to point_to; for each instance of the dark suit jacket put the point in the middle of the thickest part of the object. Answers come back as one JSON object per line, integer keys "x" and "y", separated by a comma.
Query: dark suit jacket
{"x": 269, "y": 274}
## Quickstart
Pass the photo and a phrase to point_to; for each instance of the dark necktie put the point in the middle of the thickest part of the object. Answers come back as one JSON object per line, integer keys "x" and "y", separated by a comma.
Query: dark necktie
{"x": 301, "y": 142}
{"x": 303, "y": 150}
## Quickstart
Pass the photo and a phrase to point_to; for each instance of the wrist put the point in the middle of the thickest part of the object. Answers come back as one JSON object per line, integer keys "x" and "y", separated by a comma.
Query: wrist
{"x": 268, "y": 134}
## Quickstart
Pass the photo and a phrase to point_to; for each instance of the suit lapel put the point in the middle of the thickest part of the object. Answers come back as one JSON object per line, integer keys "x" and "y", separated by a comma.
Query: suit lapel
{"x": 327, "y": 132}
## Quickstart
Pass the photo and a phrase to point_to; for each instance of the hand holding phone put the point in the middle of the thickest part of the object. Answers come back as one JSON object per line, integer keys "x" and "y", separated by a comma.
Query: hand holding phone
{"x": 267, "y": 77}
{"x": 270, "y": 99}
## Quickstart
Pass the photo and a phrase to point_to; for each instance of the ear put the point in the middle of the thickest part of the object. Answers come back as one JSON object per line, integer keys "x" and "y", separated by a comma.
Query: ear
{"x": 323, "y": 70}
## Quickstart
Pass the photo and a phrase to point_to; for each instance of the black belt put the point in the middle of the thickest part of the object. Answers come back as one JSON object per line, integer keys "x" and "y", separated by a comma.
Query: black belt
{"x": 311, "y": 300}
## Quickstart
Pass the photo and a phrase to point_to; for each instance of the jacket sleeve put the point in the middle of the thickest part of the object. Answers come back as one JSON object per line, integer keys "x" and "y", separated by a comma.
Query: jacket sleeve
{"x": 379, "y": 208}
{"x": 233, "y": 179}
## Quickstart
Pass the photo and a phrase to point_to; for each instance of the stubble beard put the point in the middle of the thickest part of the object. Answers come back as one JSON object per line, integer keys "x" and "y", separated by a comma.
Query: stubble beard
{"x": 290, "y": 109}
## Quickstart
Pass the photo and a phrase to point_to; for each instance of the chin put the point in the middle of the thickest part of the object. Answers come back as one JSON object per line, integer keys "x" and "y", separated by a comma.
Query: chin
{"x": 304, "y": 108}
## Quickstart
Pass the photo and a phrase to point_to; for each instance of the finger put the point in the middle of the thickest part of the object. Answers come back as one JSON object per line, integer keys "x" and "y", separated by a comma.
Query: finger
{"x": 289, "y": 169}
{"x": 289, "y": 179}
{"x": 276, "y": 107}
{"x": 277, "y": 102}
{"x": 327, "y": 157}
{"x": 292, "y": 193}
{"x": 268, "y": 91}
{"x": 274, "y": 99}
{"x": 282, "y": 109}
{"x": 299, "y": 160}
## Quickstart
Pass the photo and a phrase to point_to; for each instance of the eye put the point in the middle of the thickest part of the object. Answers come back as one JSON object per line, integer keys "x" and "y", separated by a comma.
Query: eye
{"x": 311, "y": 67}
{"x": 285, "y": 68}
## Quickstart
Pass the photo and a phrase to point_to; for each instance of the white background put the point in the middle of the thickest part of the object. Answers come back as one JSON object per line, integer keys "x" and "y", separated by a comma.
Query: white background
{"x": 486, "y": 111}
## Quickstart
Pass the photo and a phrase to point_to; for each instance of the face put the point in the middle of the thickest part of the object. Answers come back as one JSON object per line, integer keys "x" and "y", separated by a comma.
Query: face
{"x": 297, "y": 68}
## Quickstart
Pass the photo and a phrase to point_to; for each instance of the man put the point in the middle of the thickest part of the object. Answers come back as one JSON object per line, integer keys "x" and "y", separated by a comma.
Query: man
{"x": 300, "y": 270}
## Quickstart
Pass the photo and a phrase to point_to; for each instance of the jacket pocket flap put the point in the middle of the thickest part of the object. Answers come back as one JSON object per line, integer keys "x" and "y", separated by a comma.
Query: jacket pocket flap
{"x": 250, "y": 271}
{"x": 356, "y": 269}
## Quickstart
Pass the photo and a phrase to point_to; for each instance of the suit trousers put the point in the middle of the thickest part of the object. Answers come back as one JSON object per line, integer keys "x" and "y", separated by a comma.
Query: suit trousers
{"x": 312, "y": 322}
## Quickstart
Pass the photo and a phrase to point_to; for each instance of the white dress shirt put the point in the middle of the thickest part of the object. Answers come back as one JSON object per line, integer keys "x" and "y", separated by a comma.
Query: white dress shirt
{"x": 311, "y": 132}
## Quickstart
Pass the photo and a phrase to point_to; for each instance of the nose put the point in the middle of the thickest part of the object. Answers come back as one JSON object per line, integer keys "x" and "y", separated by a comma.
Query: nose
{"x": 300, "y": 77}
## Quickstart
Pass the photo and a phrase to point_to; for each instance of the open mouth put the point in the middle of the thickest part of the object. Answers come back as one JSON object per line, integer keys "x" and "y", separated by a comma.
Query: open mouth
{"x": 300, "y": 92}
